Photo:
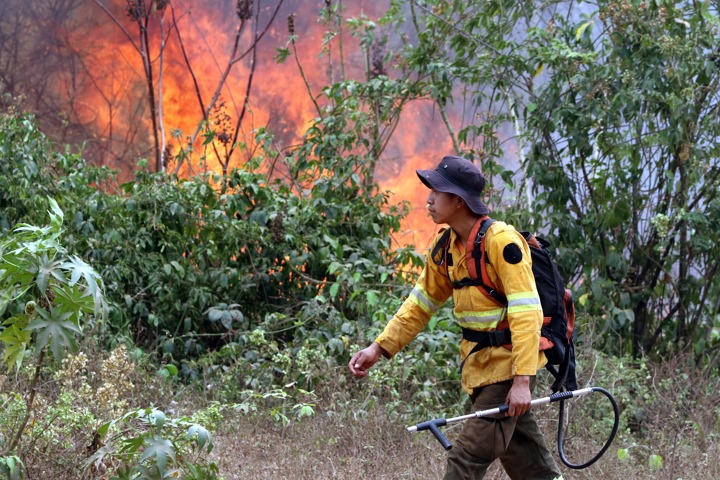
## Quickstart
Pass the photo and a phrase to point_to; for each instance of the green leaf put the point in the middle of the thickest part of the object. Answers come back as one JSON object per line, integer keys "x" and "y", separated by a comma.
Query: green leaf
{"x": 98, "y": 457}
{"x": 72, "y": 299}
{"x": 104, "y": 428}
{"x": 54, "y": 330}
{"x": 306, "y": 411}
{"x": 372, "y": 297}
{"x": 209, "y": 137}
{"x": 581, "y": 29}
{"x": 201, "y": 436}
{"x": 6, "y": 295}
{"x": 157, "y": 418}
{"x": 132, "y": 444}
{"x": 11, "y": 466}
{"x": 282, "y": 54}
{"x": 48, "y": 268}
{"x": 16, "y": 339}
{"x": 78, "y": 268}
{"x": 178, "y": 267}
{"x": 215, "y": 314}
{"x": 56, "y": 214}
{"x": 655, "y": 462}
{"x": 168, "y": 371}
{"x": 583, "y": 299}
{"x": 161, "y": 449}
{"x": 622, "y": 453}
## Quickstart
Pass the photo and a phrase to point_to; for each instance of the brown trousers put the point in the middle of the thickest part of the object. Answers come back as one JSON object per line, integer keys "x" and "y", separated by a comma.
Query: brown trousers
{"x": 516, "y": 441}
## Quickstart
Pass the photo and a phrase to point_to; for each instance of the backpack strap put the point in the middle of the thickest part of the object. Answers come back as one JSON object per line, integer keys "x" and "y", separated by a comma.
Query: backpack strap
{"x": 476, "y": 258}
{"x": 441, "y": 247}
{"x": 484, "y": 339}
{"x": 564, "y": 375}
{"x": 475, "y": 249}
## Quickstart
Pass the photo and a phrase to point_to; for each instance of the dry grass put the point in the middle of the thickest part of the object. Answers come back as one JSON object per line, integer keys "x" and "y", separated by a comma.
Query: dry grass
{"x": 326, "y": 447}
{"x": 380, "y": 448}
{"x": 674, "y": 415}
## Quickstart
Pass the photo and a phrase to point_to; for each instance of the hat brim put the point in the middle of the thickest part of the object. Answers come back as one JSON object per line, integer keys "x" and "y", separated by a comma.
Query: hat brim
{"x": 433, "y": 179}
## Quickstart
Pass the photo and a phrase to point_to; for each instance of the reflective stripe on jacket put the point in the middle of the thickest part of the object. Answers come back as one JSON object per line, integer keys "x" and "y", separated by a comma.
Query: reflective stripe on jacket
{"x": 477, "y": 311}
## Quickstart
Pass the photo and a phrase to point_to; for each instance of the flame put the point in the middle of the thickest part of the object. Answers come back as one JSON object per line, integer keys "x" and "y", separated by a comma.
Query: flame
{"x": 421, "y": 141}
{"x": 112, "y": 101}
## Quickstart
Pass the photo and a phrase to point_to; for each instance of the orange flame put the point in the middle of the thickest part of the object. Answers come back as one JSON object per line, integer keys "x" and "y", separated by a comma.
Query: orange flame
{"x": 279, "y": 94}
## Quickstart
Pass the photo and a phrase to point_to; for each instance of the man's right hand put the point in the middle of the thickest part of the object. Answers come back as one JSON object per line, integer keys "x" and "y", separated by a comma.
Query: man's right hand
{"x": 364, "y": 359}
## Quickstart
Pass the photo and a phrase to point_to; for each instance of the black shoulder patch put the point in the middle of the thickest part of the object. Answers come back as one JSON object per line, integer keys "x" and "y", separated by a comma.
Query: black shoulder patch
{"x": 512, "y": 253}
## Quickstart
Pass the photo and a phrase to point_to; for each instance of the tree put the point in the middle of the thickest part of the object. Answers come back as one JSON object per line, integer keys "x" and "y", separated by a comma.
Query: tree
{"x": 614, "y": 111}
{"x": 143, "y": 14}
{"x": 625, "y": 149}
{"x": 474, "y": 57}
{"x": 356, "y": 117}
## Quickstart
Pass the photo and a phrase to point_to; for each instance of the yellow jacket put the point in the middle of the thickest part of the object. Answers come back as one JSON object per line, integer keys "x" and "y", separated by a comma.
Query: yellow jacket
{"x": 476, "y": 311}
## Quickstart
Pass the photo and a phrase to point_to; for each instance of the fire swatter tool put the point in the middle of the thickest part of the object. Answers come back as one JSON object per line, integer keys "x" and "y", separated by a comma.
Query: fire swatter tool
{"x": 434, "y": 425}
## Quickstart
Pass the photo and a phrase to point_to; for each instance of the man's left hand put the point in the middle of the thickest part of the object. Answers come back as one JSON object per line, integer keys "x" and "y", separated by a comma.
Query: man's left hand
{"x": 519, "y": 397}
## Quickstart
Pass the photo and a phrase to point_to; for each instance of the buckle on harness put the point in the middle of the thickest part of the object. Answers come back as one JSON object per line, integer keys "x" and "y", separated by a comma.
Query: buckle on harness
{"x": 496, "y": 338}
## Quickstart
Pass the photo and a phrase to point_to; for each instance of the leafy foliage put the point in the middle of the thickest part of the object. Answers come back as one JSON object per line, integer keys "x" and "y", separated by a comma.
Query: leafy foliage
{"x": 11, "y": 467}
{"x": 612, "y": 107}
{"x": 174, "y": 253}
{"x": 47, "y": 292}
{"x": 625, "y": 153}
{"x": 149, "y": 445}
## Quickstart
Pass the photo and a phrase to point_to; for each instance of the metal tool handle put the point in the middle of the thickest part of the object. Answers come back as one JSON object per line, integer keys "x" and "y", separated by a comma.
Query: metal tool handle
{"x": 433, "y": 425}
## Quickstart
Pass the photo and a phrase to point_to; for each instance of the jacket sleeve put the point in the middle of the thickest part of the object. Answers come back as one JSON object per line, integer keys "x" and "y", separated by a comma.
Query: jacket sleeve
{"x": 509, "y": 256}
{"x": 430, "y": 292}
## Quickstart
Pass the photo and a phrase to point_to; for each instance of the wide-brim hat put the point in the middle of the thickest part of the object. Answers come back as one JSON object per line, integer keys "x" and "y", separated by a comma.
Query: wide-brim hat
{"x": 459, "y": 176}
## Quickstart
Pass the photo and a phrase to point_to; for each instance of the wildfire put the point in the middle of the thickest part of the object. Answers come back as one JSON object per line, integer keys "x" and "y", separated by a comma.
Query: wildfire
{"x": 191, "y": 45}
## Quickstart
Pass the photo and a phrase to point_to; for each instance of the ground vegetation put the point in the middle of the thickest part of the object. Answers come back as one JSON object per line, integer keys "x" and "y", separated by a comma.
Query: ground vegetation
{"x": 199, "y": 326}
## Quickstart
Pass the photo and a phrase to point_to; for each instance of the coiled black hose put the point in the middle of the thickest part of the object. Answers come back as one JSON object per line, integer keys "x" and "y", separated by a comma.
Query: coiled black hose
{"x": 602, "y": 451}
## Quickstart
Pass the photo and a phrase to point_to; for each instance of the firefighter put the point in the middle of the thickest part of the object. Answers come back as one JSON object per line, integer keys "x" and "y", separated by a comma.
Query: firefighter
{"x": 494, "y": 375}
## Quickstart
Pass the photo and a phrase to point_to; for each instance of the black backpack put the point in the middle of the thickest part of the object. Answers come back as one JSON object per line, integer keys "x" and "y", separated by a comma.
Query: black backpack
{"x": 558, "y": 330}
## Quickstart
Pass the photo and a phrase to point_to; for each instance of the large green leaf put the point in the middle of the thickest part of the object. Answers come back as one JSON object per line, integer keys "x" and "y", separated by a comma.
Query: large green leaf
{"x": 73, "y": 299}
{"x": 47, "y": 269}
{"x": 56, "y": 214}
{"x": 79, "y": 268}
{"x": 161, "y": 449}
{"x": 54, "y": 329}
{"x": 201, "y": 436}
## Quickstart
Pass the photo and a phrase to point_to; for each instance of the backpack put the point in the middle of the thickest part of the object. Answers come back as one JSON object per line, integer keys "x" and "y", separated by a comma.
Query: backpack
{"x": 558, "y": 330}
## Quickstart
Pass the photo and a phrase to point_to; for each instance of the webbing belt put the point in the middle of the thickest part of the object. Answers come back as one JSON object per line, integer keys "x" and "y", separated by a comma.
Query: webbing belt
{"x": 493, "y": 338}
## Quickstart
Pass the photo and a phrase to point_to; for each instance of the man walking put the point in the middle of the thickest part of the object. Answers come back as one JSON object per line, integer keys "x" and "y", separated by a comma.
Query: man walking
{"x": 491, "y": 374}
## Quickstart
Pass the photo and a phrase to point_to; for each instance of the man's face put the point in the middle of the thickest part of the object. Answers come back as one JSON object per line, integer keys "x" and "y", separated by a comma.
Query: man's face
{"x": 442, "y": 206}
